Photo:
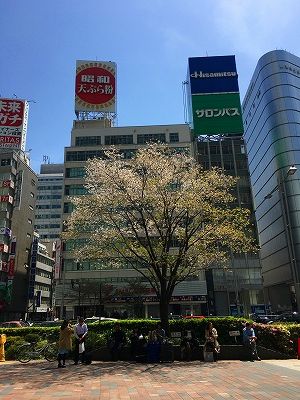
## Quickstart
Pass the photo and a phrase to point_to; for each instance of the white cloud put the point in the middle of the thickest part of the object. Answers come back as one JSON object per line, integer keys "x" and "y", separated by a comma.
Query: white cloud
{"x": 254, "y": 27}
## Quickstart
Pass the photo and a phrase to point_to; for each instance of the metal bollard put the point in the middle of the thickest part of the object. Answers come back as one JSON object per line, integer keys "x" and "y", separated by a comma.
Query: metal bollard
{"x": 2, "y": 351}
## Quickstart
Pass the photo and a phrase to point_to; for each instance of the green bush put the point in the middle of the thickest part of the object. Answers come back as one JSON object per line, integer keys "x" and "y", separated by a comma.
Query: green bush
{"x": 95, "y": 340}
{"x": 281, "y": 337}
{"x": 11, "y": 346}
{"x": 32, "y": 337}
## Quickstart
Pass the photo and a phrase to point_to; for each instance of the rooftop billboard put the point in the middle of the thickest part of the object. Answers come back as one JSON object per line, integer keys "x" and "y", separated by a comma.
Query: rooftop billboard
{"x": 217, "y": 114}
{"x": 95, "y": 86}
{"x": 212, "y": 74}
{"x": 213, "y": 97}
{"x": 13, "y": 123}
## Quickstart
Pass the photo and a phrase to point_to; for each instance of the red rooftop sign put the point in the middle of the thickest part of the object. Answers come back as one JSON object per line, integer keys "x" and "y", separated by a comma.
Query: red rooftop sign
{"x": 95, "y": 86}
{"x": 13, "y": 123}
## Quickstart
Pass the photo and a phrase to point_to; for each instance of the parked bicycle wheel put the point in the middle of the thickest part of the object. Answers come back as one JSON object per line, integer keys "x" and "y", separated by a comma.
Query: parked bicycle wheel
{"x": 51, "y": 351}
{"x": 24, "y": 353}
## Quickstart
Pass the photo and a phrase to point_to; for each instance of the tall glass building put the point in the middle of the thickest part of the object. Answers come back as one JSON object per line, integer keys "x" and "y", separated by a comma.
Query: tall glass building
{"x": 271, "y": 113}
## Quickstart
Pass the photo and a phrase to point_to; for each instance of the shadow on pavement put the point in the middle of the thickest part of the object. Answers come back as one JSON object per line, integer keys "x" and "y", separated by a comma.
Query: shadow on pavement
{"x": 41, "y": 374}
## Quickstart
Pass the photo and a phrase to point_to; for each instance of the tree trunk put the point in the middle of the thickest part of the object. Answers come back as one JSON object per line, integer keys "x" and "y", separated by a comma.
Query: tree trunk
{"x": 164, "y": 313}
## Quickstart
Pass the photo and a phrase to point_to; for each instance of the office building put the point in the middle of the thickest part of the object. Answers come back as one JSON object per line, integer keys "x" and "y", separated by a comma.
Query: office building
{"x": 214, "y": 113}
{"x": 89, "y": 139}
{"x": 271, "y": 113}
{"x": 49, "y": 202}
{"x": 18, "y": 195}
{"x": 40, "y": 287}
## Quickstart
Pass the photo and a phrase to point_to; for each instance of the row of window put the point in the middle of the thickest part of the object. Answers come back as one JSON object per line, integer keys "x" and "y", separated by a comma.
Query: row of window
{"x": 88, "y": 141}
{"x": 44, "y": 260}
{"x": 47, "y": 226}
{"x": 75, "y": 190}
{"x": 49, "y": 196}
{"x": 8, "y": 161}
{"x": 49, "y": 179}
{"x": 126, "y": 154}
{"x": 75, "y": 172}
{"x": 93, "y": 265}
{"x": 49, "y": 236}
{"x": 40, "y": 286}
{"x": 48, "y": 206}
{"x": 220, "y": 147}
{"x": 49, "y": 188}
{"x": 43, "y": 273}
{"x": 125, "y": 139}
{"x": 47, "y": 216}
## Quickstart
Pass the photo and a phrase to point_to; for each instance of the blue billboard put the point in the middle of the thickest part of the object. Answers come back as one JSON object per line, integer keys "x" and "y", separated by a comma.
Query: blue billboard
{"x": 212, "y": 75}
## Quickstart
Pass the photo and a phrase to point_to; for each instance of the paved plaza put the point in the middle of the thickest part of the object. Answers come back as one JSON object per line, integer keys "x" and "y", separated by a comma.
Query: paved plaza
{"x": 278, "y": 379}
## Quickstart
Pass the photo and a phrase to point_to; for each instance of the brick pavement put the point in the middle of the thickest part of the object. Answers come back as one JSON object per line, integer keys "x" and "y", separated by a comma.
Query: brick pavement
{"x": 130, "y": 381}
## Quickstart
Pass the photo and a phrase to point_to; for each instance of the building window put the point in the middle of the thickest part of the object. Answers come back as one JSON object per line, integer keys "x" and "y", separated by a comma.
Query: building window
{"x": 118, "y": 139}
{"x": 151, "y": 137}
{"x": 127, "y": 154}
{"x": 68, "y": 208}
{"x": 83, "y": 155}
{"x": 31, "y": 194}
{"x": 174, "y": 137}
{"x": 49, "y": 197}
{"x": 73, "y": 190}
{"x": 29, "y": 221}
{"x": 49, "y": 187}
{"x": 75, "y": 172}
{"x": 30, "y": 207}
{"x": 88, "y": 141}
{"x": 33, "y": 182}
{"x": 5, "y": 161}
{"x": 28, "y": 235}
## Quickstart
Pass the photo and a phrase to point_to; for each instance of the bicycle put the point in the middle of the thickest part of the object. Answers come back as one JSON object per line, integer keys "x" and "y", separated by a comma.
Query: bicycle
{"x": 29, "y": 351}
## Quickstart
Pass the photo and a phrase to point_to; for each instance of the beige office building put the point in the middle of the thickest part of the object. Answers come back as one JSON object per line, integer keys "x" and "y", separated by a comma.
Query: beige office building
{"x": 89, "y": 139}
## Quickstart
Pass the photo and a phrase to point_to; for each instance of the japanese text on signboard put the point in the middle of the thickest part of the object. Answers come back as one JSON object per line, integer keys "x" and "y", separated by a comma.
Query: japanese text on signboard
{"x": 13, "y": 123}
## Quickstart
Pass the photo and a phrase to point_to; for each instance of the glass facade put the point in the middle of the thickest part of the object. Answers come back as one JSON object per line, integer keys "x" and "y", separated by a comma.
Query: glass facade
{"x": 271, "y": 112}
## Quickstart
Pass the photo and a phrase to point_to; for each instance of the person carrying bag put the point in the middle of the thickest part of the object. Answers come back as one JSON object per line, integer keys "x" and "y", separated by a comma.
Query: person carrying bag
{"x": 80, "y": 332}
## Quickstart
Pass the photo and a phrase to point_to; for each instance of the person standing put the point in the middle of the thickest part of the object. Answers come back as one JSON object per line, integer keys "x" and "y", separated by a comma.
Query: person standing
{"x": 160, "y": 333}
{"x": 116, "y": 342}
{"x": 80, "y": 332}
{"x": 64, "y": 343}
{"x": 211, "y": 343}
{"x": 249, "y": 340}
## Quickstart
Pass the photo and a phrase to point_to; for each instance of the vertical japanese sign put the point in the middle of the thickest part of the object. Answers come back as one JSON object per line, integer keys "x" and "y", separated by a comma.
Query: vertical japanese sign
{"x": 214, "y": 98}
{"x": 13, "y": 123}
{"x": 57, "y": 264}
{"x": 95, "y": 86}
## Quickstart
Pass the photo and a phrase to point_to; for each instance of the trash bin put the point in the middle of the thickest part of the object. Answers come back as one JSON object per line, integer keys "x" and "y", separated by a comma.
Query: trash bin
{"x": 2, "y": 352}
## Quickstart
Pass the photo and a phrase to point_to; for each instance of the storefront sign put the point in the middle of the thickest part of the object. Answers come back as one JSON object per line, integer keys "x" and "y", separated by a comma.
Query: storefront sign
{"x": 5, "y": 231}
{"x": 3, "y": 248}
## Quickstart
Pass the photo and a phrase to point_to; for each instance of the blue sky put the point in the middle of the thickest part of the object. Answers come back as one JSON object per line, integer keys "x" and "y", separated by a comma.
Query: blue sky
{"x": 150, "y": 40}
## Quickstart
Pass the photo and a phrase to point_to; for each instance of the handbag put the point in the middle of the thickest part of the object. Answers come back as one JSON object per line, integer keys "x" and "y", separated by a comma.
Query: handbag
{"x": 81, "y": 347}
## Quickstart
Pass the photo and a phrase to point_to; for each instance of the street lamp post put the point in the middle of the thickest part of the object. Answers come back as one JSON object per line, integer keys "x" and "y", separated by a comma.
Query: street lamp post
{"x": 287, "y": 226}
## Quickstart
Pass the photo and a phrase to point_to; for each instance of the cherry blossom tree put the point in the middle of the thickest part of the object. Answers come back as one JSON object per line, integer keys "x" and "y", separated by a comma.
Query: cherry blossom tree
{"x": 161, "y": 213}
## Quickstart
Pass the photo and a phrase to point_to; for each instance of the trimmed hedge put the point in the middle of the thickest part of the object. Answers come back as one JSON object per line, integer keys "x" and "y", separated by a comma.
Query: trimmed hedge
{"x": 281, "y": 337}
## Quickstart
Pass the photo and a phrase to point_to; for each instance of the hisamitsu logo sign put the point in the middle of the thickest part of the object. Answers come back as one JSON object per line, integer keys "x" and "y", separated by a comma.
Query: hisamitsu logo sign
{"x": 212, "y": 75}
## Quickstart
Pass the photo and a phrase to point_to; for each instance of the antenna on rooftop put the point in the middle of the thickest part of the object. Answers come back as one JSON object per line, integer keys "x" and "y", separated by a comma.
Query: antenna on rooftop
{"x": 46, "y": 159}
